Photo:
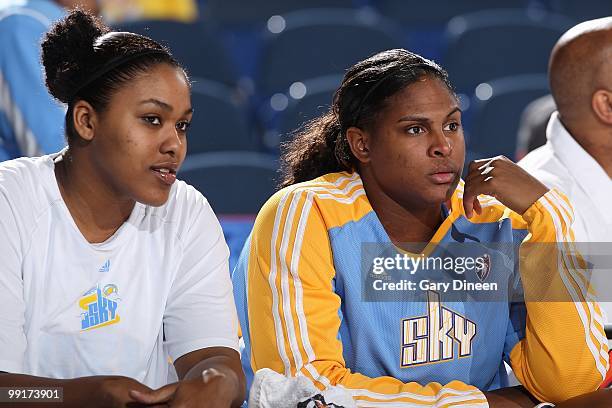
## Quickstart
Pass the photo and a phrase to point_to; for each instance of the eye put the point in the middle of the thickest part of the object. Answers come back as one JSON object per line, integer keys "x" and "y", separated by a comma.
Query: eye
{"x": 415, "y": 130}
{"x": 452, "y": 127}
{"x": 152, "y": 120}
{"x": 183, "y": 126}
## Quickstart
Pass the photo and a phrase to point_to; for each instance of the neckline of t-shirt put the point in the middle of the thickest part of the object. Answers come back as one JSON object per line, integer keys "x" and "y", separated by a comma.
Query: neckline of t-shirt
{"x": 122, "y": 233}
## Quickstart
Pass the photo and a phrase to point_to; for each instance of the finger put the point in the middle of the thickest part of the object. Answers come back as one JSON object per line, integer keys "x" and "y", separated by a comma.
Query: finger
{"x": 472, "y": 167}
{"x": 473, "y": 188}
{"x": 477, "y": 177}
{"x": 159, "y": 396}
{"x": 468, "y": 203}
{"x": 486, "y": 165}
{"x": 477, "y": 206}
{"x": 485, "y": 160}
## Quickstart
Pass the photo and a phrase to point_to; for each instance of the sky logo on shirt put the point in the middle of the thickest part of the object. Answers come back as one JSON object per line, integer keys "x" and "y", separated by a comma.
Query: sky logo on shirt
{"x": 100, "y": 307}
{"x": 432, "y": 338}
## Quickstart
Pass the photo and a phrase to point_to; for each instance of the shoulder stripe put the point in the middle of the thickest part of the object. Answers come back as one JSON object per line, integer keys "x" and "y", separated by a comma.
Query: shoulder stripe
{"x": 572, "y": 257}
{"x": 280, "y": 338}
{"x": 565, "y": 270}
{"x": 287, "y": 229}
{"x": 296, "y": 194}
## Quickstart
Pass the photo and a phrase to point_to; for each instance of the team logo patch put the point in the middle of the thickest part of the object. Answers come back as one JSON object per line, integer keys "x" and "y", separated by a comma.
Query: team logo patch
{"x": 100, "y": 307}
{"x": 432, "y": 338}
{"x": 483, "y": 268}
{"x": 105, "y": 268}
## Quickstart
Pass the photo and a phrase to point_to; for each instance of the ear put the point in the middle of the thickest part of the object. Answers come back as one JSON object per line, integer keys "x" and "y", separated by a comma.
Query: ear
{"x": 85, "y": 119}
{"x": 602, "y": 105}
{"x": 359, "y": 142}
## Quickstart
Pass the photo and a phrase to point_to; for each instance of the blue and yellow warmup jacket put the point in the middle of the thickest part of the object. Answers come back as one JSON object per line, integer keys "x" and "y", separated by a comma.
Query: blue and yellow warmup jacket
{"x": 307, "y": 304}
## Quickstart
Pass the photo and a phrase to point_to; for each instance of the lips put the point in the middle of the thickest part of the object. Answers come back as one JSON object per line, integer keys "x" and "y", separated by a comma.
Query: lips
{"x": 443, "y": 175}
{"x": 166, "y": 172}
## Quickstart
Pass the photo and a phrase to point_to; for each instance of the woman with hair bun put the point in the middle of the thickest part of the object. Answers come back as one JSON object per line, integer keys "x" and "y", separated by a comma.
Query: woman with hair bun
{"x": 335, "y": 283}
{"x": 110, "y": 266}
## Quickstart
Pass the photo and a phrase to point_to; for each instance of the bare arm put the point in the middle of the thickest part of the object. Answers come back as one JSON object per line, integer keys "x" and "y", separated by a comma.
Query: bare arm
{"x": 94, "y": 391}
{"x": 210, "y": 377}
{"x": 224, "y": 360}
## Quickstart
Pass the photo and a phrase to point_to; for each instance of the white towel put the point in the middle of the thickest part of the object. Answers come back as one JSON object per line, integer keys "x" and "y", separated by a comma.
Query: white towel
{"x": 273, "y": 390}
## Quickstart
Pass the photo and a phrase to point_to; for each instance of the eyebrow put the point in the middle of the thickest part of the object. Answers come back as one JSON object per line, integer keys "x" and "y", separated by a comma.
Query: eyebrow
{"x": 424, "y": 119}
{"x": 163, "y": 105}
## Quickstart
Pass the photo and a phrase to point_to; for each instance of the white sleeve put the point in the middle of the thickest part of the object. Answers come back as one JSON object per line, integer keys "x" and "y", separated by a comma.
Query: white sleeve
{"x": 12, "y": 307}
{"x": 200, "y": 311}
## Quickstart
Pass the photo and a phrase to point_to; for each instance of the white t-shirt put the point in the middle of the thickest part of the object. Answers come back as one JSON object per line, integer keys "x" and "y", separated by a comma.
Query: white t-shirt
{"x": 158, "y": 288}
{"x": 562, "y": 163}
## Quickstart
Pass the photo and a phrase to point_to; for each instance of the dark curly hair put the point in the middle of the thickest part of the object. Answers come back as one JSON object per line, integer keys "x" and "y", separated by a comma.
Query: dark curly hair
{"x": 321, "y": 146}
{"x": 84, "y": 60}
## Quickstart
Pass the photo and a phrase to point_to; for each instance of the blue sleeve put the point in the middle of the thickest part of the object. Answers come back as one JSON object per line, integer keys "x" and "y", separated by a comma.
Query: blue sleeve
{"x": 239, "y": 281}
{"x": 34, "y": 116}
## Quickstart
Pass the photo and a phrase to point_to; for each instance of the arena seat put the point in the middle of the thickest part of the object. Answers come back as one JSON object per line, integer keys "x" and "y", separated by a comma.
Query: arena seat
{"x": 311, "y": 43}
{"x": 237, "y": 12}
{"x": 196, "y": 45}
{"x": 424, "y": 13}
{"x": 496, "y": 43}
{"x": 220, "y": 121}
{"x": 497, "y": 109}
{"x": 236, "y": 229}
{"x": 233, "y": 182}
{"x": 305, "y": 100}
{"x": 531, "y": 133}
{"x": 584, "y": 9}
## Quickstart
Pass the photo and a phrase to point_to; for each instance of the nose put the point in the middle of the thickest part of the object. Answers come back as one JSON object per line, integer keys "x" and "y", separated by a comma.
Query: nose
{"x": 172, "y": 142}
{"x": 441, "y": 145}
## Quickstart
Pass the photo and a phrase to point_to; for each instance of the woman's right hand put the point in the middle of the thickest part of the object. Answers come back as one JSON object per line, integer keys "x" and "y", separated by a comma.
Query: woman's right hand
{"x": 503, "y": 179}
{"x": 95, "y": 391}
{"x": 114, "y": 392}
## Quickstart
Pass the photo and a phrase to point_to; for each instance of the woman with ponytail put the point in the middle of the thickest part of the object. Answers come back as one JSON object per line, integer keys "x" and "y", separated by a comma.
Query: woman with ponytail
{"x": 335, "y": 282}
{"x": 110, "y": 266}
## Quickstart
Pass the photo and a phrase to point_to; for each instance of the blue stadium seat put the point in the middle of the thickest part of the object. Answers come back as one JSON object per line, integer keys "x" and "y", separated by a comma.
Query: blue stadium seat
{"x": 497, "y": 43}
{"x": 236, "y": 229}
{"x": 498, "y": 105}
{"x": 424, "y": 13}
{"x": 584, "y": 9}
{"x": 233, "y": 182}
{"x": 238, "y": 12}
{"x": 423, "y": 22}
{"x": 220, "y": 121}
{"x": 195, "y": 45}
{"x": 531, "y": 132}
{"x": 310, "y": 43}
{"x": 305, "y": 100}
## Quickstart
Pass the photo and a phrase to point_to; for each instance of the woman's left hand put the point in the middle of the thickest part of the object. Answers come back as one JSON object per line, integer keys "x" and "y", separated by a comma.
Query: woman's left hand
{"x": 213, "y": 389}
{"x": 503, "y": 179}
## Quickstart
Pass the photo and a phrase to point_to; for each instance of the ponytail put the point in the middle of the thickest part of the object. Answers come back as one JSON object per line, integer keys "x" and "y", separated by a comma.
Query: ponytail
{"x": 317, "y": 148}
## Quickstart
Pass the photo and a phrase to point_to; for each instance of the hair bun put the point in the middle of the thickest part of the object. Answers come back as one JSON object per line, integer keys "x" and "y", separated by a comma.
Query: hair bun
{"x": 68, "y": 52}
